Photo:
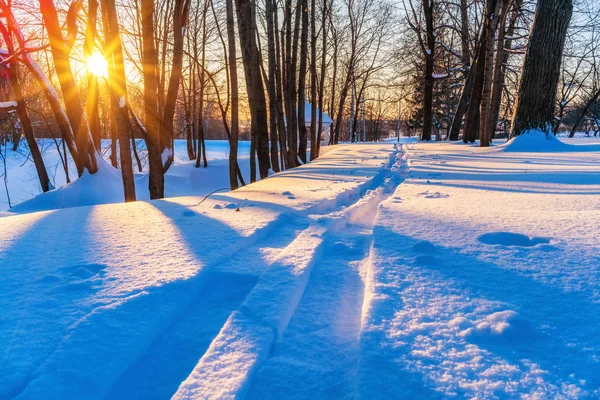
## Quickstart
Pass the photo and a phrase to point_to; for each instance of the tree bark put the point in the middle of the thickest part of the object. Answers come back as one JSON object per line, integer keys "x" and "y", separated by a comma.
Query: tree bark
{"x": 535, "y": 103}
{"x": 504, "y": 42}
{"x": 180, "y": 17}
{"x": 119, "y": 90}
{"x": 254, "y": 83}
{"x": 486, "y": 94}
{"x": 156, "y": 181}
{"x": 303, "y": 136}
{"x": 428, "y": 79}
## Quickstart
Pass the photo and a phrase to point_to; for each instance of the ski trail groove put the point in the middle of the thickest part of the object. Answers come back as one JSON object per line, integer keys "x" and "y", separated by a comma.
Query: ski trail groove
{"x": 253, "y": 334}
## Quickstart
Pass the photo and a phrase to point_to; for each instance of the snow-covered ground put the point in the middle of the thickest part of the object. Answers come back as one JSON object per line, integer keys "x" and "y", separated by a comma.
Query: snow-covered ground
{"x": 106, "y": 187}
{"x": 411, "y": 270}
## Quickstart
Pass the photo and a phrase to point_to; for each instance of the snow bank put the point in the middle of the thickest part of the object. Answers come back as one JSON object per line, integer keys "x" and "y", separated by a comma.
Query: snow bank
{"x": 538, "y": 141}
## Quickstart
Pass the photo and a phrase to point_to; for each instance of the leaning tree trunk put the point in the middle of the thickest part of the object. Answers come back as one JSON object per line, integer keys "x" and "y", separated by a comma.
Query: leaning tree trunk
{"x": 180, "y": 16}
{"x": 119, "y": 90}
{"x": 23, "y": 114}
{"x": 535, "y": 103}
{"x": 61, "y": 49}
{"x": 506, "y": 37}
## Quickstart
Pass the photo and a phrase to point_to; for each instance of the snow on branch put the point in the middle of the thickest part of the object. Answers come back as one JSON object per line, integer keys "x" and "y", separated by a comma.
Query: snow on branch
{"x": 8, "y": 105}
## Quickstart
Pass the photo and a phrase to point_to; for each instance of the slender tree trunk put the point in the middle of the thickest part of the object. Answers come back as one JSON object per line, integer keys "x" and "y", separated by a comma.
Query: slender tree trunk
{"x": 463, "y": 104}
{"x": 428, "y": 80}
{"x": 535, "y": 103}
{"x": 233, "y": 79}
{"x": 313, "y": 80}
{"x": 23, "y": 114}
{"x": 322, "y": 76}
{"x": 303, "y": 134}
{"x": 472, "y": 123}
{"x": 254, "y": 83}
{"x": 60, "y": 54}
{"x": 180, "y": 18}
{"x": 504, "y": 42}
{"x": 92, "y": 95}
{"x": 272, "y": 59}
{"x": 594, "y": 98}
{"x": 119, "y": 90}
{"x": 486, "y": 94}
{"x": 156, "y": 182}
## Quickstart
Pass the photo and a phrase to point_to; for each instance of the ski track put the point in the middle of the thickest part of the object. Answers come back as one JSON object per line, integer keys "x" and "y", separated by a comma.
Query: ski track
{"x": 225, "y": 285}
{"x": 330, "y": 280}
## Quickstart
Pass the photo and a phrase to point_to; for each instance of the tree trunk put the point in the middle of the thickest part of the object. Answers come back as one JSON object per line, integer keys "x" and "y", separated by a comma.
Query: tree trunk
{"x": 271, "y": 83}
{"x": 23, "y": 114}
{"x": 585, "y": 110}
{"x": 254, "y": 84}
{"x": 322, "y": 75}
{"x": 62, "y": 63}
{"x": 92, "y": 95}
{"x": 313, "y": 80}
{"x": 504, "y": 42}
{"x": 303, "y": 136}
{"x": 463, "y": 104}
{"x": 486, "y": 94}
{"x": 472, "y": 123}
{"x": 428, "y": 80}
{"x": 541, "y": 70}
{"x": 180, "y": 17}
{"x": 119, "y": 90}
{"x": 156, "y": 181}
{"x": 233, "y": 79}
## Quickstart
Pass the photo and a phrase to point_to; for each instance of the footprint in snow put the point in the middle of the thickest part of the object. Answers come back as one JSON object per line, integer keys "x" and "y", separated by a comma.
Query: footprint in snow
{"x": 287, "y": 193}
{"x": 188, "y": 213}
{"x": 511, "y": 239}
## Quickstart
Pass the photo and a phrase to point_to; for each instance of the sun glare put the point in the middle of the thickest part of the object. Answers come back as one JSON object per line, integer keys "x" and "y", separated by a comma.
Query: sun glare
{"x": 97, "y": 65}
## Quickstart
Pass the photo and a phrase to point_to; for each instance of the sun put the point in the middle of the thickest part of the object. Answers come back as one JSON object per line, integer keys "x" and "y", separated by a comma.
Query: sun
{"x": 97, "y": 65}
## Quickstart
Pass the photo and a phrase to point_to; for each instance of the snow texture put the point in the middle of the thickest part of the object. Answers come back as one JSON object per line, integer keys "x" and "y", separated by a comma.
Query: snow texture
{"x": 411, "y": 270}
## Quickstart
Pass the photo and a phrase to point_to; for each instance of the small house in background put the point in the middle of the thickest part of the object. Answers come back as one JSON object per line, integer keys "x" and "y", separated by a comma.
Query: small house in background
{"x": 327, "y": 122}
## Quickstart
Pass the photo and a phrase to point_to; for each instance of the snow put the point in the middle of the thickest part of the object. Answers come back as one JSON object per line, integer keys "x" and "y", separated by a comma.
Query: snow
{"x": 8, "y": 105}
{"x": 122, "y": 102}
{"x": 439, "y": 76}
{"x": 410, "y": 270}
{"x": 181, "y": 179}
{"x": 489, "y": 290}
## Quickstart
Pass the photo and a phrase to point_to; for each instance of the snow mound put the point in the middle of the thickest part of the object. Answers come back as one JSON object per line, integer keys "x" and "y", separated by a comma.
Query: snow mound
{"x": 499, "y": 324}
{"x": 103, "y": 187}
{"x": 537, "y": 141}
